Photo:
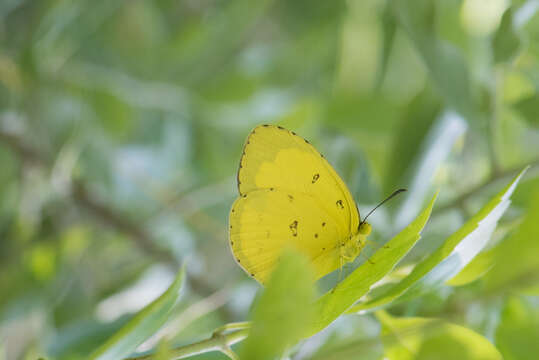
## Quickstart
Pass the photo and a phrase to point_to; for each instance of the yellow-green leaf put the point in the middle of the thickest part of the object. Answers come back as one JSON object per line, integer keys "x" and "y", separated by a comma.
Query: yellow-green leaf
{"x": 282, "y": 315}
{"x": 141, "y": 326}
{"x": 335, "y": 302}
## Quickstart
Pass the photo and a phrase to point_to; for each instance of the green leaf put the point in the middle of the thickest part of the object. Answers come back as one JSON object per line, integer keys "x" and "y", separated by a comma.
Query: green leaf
{"x": 506, "y": 41}
{"x": 114, "y": 114}
{"x": 284, "y": 311}
{"x": 141, "y": 326}
{"x": 518, "y": 331}
{"x": 335, "y": 302}
{"x": 422, "y": 339}
{"x": 389, "y": 29}
{"x": 529, "y": 109}
{"x": 517, "y": 264}
{"x": 446, "y": 65}
{"x": 454, "y": 254}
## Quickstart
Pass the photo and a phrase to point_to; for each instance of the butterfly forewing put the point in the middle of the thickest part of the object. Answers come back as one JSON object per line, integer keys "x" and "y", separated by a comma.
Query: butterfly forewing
{"x": 274, "y": 157}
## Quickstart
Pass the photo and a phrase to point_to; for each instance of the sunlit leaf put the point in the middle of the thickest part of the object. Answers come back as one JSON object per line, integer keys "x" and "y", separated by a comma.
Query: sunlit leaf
{"x": 422, "y": 339}
{"x": 455, "y": 253}
{"x": 518, "y": 331}
{"x": 335, "y": 302}
{"x": 284, "y": 311}
{"x": 143, "y": 325}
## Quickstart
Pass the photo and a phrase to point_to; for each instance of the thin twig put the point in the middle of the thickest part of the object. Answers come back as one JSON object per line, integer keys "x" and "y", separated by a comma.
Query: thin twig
{"x": 494, "y": 177}
{"x": 82, "y": 197}
{"x": 219, "y": 341}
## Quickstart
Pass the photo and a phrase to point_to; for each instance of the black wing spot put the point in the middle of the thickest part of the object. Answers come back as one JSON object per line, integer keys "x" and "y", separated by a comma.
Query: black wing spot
{"x": 280, "y": 127}
{"x": 232, "y": 243}
{"x": 265, "y": 125}
{"x": 244, "y": 195}
{"x": 315, "y": 235}
{"x": 315, "y": 178}
{"x": 231, "y": 226}
{"x": 307, "y": 141}
{"x": 248, "y": 142}
{"x": 271, "y": 189}
{"x": 323, "y": 224}
{"x": 233, "y": 210}
{"x": 252, "y": 274}
{"x": 238, "y": 260}
{"x": 290, "y": 197}
{"x": 294, "y": 228}
{"x": 323, "y": 248}
{"x": 339, "y": 204}
{"x": 293, "y": 133}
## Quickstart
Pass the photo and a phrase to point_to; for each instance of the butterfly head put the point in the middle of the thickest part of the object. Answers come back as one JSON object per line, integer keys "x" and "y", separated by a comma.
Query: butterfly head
{"x": 364, "y": 228}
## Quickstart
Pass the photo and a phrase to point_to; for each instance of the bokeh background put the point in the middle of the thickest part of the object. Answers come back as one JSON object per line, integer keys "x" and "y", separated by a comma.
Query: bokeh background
{"x": 122, "y": 124}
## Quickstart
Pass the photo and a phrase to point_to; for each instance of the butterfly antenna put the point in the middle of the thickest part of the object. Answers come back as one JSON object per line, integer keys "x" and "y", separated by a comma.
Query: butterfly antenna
{"x": 395, "y": 193}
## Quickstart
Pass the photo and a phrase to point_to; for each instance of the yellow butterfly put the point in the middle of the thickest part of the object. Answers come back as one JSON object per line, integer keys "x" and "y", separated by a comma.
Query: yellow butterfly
{"x": 291, "y": 196}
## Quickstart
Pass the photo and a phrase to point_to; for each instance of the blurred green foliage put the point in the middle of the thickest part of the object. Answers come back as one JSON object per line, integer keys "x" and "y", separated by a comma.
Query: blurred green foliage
{"x": 438, "y": 340}
{"x": 121, "y": 127}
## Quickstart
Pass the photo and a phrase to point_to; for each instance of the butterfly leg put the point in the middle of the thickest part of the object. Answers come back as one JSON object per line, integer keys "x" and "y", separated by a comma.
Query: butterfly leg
{"x": 341, "y": 265}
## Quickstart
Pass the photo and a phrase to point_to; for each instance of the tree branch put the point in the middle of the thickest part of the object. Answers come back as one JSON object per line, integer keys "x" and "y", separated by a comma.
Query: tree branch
{"x": 113, "y": 219}
{"x": 88, "y": 201}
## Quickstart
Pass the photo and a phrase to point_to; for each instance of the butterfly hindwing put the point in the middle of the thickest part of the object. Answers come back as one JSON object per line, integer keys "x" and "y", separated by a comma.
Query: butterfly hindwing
{"x": 264, "y": 222}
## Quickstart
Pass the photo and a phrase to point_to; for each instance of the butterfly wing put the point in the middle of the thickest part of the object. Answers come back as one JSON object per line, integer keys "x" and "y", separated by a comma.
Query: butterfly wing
{"x": 278, "y": 165}
{"x": 264, "y": 222}
{"x": 274, "y": 157}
